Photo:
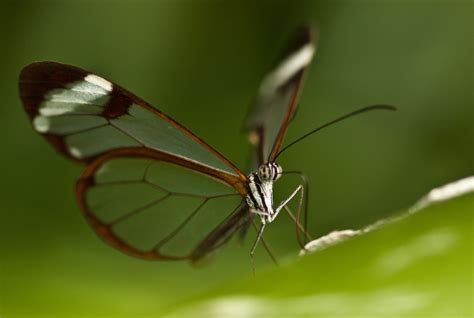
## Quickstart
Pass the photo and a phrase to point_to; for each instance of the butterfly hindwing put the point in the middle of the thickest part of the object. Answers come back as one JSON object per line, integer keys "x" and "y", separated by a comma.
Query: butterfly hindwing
{"x": 151, "y": 208}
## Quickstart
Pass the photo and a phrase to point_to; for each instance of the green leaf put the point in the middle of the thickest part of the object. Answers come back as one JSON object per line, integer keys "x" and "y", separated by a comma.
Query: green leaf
{"x": 416, "y": 265}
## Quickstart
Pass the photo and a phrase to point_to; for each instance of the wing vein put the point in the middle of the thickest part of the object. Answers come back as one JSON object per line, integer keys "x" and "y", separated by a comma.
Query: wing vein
{"x": 128, "y": 134}
{"x": 137, "y": 210}
{"x": 179, "y": 227}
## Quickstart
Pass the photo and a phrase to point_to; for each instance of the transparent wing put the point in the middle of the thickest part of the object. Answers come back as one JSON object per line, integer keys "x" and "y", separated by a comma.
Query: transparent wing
{"x": 152, "y": 188}
{"x": 277, "y": 97}
{"x": 84, "y": 116}
{"x": 154, "y": 209}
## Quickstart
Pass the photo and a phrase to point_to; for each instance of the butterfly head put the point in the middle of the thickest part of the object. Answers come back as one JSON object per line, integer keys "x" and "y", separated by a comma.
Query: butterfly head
{"x": 269, "y": 172}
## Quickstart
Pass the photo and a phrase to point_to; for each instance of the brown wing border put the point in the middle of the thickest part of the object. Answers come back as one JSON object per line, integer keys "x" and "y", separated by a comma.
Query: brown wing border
{"x": 304, "y": 35}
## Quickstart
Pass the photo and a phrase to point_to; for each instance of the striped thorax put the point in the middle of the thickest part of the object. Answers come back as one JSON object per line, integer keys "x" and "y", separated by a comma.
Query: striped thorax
{"x": 260, "y": 194}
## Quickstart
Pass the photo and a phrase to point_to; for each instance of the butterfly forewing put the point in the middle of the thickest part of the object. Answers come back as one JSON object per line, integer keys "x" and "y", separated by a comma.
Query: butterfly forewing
{"x": 84, "y": 116}
{"x": 277, "y": 98}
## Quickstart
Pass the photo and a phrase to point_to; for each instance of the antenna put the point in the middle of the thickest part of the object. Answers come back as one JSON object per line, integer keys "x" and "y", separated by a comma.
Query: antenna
{"x": 356, "y": 112}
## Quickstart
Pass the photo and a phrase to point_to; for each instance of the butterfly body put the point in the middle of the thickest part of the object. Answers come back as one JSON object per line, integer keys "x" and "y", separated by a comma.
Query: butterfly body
{"x": 152, "y": 188}
{"x": 260, "y": 190}
{"x": 259, "y": 196}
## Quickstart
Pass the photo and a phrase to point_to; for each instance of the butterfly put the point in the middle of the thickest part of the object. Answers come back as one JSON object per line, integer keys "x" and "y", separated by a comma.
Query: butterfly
{"x": 151, "y": 187}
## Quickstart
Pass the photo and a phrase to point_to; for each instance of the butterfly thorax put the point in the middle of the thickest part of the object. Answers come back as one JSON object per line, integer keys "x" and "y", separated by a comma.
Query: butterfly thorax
{"x": 260, "y": 190}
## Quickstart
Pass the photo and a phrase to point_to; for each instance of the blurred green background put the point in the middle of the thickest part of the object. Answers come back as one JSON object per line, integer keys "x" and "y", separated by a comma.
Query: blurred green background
{"x": 201, "y": 62}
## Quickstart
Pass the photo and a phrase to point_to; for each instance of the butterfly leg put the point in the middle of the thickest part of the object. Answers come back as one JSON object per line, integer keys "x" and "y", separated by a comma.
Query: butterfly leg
{"x": 263, "y": 217}
{"x": 259, "y": 236}
{"x": 261, "y": 213}
{"x": 301, "y": 227}
{"x": 285, "y": 202}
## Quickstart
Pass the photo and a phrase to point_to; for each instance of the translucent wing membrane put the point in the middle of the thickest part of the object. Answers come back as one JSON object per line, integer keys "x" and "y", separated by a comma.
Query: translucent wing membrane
{"x": 277, "y": 97}
{"x": 158, "y": 210}
{"x": 151, "y": 188}
{"x": 84, "y": 116}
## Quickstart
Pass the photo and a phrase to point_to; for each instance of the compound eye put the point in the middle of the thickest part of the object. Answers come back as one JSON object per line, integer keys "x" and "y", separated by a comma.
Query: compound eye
{"x": 265, "y": 173}
{"x": 278, "y": 170}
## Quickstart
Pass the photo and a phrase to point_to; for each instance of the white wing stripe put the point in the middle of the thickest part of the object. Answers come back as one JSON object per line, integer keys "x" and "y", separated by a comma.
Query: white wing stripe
{"x": 287, "y": 69}
{"x": 99, "y": 81}
{"x": 80, "y": 97}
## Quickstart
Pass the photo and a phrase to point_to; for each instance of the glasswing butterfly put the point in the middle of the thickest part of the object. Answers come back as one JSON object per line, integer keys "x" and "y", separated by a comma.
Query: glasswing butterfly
{"x": 152, "y": 188}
